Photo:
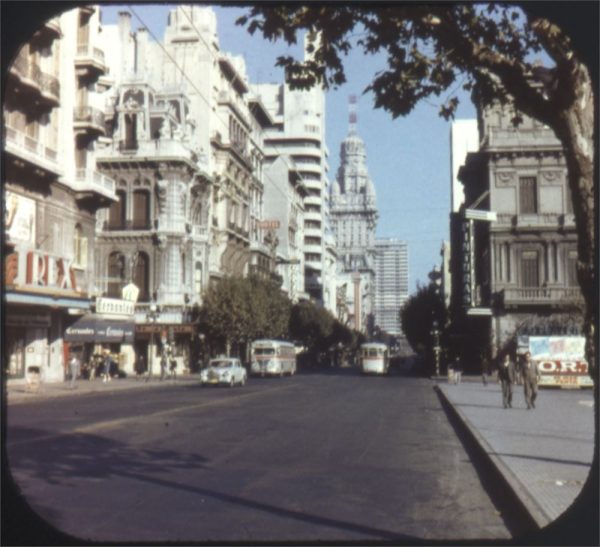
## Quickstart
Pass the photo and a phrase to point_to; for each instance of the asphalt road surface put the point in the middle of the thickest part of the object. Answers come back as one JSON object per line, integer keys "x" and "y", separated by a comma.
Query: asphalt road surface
{"x": 315, "y": 457}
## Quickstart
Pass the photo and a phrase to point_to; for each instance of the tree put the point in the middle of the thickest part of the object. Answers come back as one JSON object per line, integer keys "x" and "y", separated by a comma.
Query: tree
{"x": 417, "y": 316}
{"x": 237, "y": 310}
{"x": 430, "y": 48}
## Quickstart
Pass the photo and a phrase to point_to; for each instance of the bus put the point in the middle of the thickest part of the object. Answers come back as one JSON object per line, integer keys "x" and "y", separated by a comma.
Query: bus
{"x": 374, "y": 358}
{"x": 272, "y": 358}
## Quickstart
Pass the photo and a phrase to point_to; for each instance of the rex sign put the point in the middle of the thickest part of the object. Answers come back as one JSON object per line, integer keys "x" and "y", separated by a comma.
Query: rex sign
{"x": 561, "y": 360}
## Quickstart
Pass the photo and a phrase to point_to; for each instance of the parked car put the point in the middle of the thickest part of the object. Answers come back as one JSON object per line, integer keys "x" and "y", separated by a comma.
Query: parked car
{"x": 224, "y": 370}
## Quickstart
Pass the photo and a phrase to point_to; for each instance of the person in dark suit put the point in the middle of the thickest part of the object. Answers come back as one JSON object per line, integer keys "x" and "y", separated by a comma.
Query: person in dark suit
{"x": 506, "y": 376}
{"x": 531, "y": 377}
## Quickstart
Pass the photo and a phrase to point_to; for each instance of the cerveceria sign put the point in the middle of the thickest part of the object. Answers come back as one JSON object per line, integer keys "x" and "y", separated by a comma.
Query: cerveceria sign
{"x": 90, "y": 328}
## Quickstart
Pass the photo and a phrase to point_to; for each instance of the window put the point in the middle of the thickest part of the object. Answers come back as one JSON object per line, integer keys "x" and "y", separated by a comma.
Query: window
{"x": 530, "y": 275}
{"x": 80, "y": 249}
{"x": 141, "y": 210}
{"x": 198, "y": 278}
{"x": 116, "y": 213}
{"x": 141, "y": 275}
{"x": 572, "y": 269}
{"x": 116, "y": 274}
{"x": 528, "y": 195}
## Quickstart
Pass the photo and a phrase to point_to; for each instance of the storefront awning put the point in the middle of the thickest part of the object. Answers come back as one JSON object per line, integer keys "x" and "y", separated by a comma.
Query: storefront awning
{"x": 92, "y": 328}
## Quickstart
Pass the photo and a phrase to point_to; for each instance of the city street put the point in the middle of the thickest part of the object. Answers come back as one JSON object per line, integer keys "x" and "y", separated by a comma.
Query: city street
{"x": 329, "y": 456}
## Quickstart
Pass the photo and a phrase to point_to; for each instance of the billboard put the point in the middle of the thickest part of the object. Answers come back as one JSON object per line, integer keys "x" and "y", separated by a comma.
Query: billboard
{"x": 561, "y": 360}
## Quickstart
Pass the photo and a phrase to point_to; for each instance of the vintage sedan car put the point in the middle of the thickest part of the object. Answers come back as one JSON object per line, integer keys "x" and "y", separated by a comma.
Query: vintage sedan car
{"x": 224, "y": 371}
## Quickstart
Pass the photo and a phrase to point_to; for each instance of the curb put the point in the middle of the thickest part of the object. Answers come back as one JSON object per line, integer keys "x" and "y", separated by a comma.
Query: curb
{"x": 532, "y": 514}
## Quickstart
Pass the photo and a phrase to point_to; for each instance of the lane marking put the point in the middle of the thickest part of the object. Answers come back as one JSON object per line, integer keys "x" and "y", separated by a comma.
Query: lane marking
{"x": 108, "y": 424}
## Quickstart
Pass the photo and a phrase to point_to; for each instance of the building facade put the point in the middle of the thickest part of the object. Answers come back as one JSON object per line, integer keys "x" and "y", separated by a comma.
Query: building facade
{"x": 391, "y": 283}
{"x": 52, "y": 191}
{"x": 515, "y": 269}
{"x": 353, "y": 220}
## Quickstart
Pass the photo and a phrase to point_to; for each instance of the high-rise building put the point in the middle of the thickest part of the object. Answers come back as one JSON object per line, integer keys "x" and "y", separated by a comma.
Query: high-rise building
{"x": 353, "y": 219}
{"x": 391, "y": 283}
{"x": 298, "y": 131}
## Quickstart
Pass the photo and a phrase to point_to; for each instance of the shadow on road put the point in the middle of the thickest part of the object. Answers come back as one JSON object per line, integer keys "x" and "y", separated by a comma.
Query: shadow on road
{"x": 56, "y": 459}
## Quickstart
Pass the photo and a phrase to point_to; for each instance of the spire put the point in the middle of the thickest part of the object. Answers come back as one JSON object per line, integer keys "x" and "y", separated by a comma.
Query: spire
{"x": 352, "y": 117}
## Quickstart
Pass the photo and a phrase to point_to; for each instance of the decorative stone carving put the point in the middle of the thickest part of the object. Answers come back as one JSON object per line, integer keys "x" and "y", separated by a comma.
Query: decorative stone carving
{"x": 505, "y": 178}
{"x": 554, "y": 177}
{"x": 161, "y": 195}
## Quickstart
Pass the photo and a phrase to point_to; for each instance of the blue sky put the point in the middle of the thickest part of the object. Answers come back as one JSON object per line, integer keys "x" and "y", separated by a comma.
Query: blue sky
{"x": 408, "y": 158}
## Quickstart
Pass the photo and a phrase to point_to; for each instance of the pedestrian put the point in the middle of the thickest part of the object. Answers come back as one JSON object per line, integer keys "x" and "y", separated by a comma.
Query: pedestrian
{"x": 173, "y": 368}
{"x": 531, "y": 377}
{"x": 506, "y": 376}
{"x": 139, "y": 367}
{"x": 74, "y": 366}
{"x": 457, "y": 371}
{"x": 163, "y": 366}
{"x": 106, "y": 367}
{"x": 485, "y": 369}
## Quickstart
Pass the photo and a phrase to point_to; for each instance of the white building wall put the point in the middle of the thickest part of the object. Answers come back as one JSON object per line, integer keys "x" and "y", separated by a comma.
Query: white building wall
{"x": 464, "y": 138}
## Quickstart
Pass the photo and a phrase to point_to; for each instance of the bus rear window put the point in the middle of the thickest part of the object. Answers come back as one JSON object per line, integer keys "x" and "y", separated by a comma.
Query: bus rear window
{"x": 264, "y": 351}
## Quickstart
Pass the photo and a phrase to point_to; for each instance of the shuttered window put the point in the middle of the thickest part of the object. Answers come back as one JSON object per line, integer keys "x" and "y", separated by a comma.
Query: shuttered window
{"x": 528, "y": 195}
{"x": 116, "y": 213}
{"x": 530, "y": 273}
{"x": 572, "y": 269}
{"x": 141, "y": 210}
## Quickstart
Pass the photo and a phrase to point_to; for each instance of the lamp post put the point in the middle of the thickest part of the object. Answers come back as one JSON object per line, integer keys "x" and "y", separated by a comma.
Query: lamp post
{"x": 435, "y": 277}
{"x": 152, "y": 316}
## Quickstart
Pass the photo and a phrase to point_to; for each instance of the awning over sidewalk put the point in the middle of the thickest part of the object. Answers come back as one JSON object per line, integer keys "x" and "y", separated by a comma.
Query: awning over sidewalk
{"x": 92, "y": 328}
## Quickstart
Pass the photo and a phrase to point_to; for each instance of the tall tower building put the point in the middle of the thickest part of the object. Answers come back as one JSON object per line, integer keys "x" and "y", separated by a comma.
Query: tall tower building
{"x": 353, "y": 218}
{"x": 391, "y": 283}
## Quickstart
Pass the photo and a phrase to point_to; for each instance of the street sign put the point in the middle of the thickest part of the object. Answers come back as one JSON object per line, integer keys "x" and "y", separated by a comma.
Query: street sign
{"x": 478, "y": 214}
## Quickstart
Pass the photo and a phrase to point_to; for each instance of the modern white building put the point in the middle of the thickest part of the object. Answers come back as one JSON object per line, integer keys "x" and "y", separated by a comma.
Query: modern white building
{"x": 299, "y": 132}
{"x": 391, "y": 283}
{"x": 464, "y": 138}
{"x": 353, "y": 219}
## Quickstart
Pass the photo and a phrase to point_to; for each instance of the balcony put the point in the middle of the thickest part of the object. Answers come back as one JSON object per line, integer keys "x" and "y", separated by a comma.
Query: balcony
{"x": 89, "y": 61}
{"x": 156, "y": 150}
{"x": 91, "y": 183}
{"x": 31, "y": 150}
{"x": 40, "y": 87}
{"x": 47, "y": 33}
{"x": 541, "y": 221}
{"x": 545, "y": 296}
{"x": 89, "y": 120}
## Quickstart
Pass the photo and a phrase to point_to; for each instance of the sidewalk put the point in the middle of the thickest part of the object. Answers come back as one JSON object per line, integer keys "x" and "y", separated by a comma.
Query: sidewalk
{"x": 544, "y": 454}
{"x": 19, "y": 393}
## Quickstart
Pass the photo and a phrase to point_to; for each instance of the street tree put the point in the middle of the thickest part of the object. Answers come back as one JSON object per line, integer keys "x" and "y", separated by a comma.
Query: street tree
{"x": 436, "y": 48}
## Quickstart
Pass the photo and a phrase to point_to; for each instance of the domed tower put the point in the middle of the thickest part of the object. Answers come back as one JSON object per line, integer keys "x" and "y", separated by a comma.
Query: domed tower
{"x": 354, "y": 216}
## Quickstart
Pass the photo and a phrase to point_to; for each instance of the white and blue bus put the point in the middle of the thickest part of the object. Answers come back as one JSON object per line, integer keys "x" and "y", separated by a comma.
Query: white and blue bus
{"x": 272, "y": 358}
{"x": 374, "y": 358}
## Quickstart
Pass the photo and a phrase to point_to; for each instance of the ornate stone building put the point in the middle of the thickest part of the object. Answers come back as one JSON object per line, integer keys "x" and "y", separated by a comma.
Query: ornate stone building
{"x": 353, "y": 219}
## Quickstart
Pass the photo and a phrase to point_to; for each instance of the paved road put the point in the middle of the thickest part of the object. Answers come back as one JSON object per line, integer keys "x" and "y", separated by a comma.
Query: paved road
{"x": 333, "y": 457}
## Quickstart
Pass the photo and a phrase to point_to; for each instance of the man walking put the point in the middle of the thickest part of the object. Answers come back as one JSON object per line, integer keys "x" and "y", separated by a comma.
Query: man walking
{"x": 531, "y": 376}
{"x": 506, "y": 375}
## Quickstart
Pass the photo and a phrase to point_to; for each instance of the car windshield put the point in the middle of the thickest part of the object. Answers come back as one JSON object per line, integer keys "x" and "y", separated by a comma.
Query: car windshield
{"x": 221, "y": 364}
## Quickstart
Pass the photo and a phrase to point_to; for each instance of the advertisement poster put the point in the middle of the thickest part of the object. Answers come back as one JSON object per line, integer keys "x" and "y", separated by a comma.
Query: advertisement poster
{"x": 19, "y": 218}
{"x": 561, "y": 360}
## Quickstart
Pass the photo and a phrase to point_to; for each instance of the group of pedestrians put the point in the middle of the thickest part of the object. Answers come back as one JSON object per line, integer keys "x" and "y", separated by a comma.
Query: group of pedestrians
{"x": 508, "y": 372}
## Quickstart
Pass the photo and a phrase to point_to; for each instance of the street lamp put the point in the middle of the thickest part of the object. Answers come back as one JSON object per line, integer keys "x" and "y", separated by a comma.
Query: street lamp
{"x": 152, "y": 316}
{"x": 435, "y": 334}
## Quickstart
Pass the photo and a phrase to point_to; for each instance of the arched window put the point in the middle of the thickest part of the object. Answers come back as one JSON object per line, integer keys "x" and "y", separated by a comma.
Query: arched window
{"x": 116, "y": 213}
{"x": 141, "y": 276}
{"x": 116, "y": 274}
{"x": 80, "y": 249}
{"x": 141, "y": 210}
